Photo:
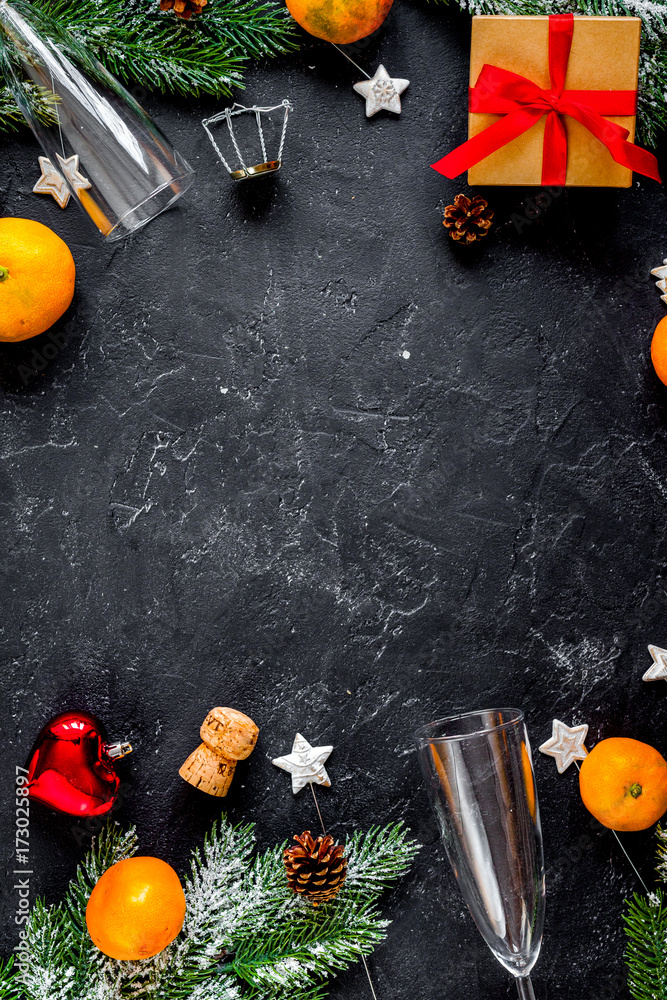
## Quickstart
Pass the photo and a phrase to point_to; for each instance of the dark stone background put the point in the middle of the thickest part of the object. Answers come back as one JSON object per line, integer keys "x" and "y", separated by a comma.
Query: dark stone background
{"x": 231, "y": 487}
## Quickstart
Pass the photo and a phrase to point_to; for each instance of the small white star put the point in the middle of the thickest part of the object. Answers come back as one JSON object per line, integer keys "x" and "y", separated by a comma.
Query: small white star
{"x": 305, "y": 764}
{"x": 52, "y": 182}
{"x": 382, "y": 92}
{"x": 658, "y": 669}
{"x": 566, "y": 744}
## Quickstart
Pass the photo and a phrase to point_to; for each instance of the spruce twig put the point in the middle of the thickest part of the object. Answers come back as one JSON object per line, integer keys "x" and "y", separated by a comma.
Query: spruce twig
{"x": 141, "y": 44}
{"x": 646, "y": 952}
{"x": 246, "y": 936}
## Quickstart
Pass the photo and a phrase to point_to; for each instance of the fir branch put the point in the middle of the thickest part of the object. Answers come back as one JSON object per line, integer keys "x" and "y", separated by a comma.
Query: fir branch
{"x": 9, "y": 985}
{"x": 646, "y": 951}
{"x": 377, "y": 859}
{"x": 214, "y": 889}
{"x": 240, "y": 910}
{"x": 141, "y": 44}
{"x": 305, "y": 944}
{"x": 310, "y": 945}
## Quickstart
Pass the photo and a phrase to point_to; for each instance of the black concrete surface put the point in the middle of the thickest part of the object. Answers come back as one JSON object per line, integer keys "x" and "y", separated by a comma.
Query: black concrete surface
{"x": 299, "y": 455}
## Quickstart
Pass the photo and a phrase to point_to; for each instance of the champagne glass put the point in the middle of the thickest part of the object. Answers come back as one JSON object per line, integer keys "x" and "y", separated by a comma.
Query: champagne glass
{"x": 479, "y": 774}
{"x": 116, "y": 163}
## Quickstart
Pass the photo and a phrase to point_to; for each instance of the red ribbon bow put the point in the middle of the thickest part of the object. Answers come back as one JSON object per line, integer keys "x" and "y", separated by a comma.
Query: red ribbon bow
{"x": 523, "y": 103}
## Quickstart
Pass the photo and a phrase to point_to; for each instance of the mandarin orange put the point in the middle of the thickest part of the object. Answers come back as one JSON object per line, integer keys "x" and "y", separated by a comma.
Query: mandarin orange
{"x": 339, "y": 21}
{"x": 659, "y": 350}
{"x": 136, "y": 909}
{"x": 623, "y": 783}
{"x": 36, "y": 278}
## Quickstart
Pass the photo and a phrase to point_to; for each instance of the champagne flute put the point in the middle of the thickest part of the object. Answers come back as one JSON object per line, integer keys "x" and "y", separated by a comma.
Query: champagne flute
{"x": 479, "y": 774}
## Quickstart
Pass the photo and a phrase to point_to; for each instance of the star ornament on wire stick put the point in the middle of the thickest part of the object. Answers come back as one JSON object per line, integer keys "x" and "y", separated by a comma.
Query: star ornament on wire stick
{"x": 382, "y": 92}
{"x": 305, "y": 764}
{"x": 658, "y": 669}
{"x": 566, "y": 744}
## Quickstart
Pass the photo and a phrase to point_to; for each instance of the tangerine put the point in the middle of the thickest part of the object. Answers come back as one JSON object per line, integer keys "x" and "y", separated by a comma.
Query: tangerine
{"x": 623, "y": 783}
{"x": 37, "y": 275}
{"x": 136, "y": 909}
{"x": 659, "y": 350}
{"x": 339, "y": 21}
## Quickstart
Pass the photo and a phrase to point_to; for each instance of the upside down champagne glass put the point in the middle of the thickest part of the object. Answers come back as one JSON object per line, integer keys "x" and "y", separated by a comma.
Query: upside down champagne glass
{"x": 117, "y": 164}
{"x": 479, "y": 774}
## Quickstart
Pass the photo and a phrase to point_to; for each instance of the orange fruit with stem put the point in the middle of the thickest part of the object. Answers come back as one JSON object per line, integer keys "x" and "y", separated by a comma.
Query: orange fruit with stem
{"x": 623, "y": 783}
{"x": 339, "y": 21}
{"x": 659, "y": 350}
{"x": 37, "y": 275}
{"x": 136, "y": 909}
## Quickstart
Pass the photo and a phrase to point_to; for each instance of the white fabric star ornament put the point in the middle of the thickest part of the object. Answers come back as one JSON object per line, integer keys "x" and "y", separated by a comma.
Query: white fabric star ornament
{"x": 305, "y": 764}
{"x": 658, "y": 669}
{"x": 566, "y": 744}
{"x": 382, "y": 92}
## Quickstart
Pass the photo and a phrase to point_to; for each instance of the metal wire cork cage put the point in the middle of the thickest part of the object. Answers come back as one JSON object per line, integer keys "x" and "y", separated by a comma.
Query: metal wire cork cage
{"x": 267, "y": 166}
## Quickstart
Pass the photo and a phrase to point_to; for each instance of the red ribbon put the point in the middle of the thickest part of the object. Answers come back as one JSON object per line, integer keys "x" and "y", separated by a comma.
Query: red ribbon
{"x": 523, "y": 103}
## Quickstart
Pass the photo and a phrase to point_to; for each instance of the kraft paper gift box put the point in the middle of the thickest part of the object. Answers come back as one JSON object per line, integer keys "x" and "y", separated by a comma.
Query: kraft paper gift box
{"x": 601, "y": 69}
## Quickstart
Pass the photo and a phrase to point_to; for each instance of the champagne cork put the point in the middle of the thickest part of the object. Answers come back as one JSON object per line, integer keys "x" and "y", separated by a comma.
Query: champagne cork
{"x": 229, "y": 736}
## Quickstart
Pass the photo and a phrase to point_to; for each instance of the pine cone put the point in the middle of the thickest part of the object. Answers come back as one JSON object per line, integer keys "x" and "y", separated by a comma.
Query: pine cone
{"x": 468, "y": 219}
{"x": 183, "y": 8}
{"x": 316, "y": 867}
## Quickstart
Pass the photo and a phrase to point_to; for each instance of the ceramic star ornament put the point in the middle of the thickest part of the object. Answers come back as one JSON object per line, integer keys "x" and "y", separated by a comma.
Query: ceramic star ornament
{"x": 52, "y": 182}
{"x": 382, "y": 92}
{"x": 305, "y": 764}
{"x": 658, "y": 669}
{"x": 70, "y": 170}
{"x": 566, "y": 744}
{"x": 661, "y": 274}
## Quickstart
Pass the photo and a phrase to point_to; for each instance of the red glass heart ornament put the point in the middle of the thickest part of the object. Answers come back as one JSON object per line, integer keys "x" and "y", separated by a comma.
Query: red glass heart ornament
{"x": 70, "y": 767}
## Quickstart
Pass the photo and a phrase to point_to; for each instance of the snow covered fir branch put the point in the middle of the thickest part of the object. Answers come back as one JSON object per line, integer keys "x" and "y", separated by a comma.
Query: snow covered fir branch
{"x": 246, "y": 936}
{"x": 143, "y": 45}
{"x": 646, "y": 932}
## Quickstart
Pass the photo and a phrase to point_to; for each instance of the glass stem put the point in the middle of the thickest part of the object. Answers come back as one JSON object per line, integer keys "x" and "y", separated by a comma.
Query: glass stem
{"x": 525, "y": 988}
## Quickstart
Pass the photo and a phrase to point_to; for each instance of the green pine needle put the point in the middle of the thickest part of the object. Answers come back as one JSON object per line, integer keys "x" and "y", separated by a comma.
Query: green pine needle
{"x": 646, "y": 952}
{"x": 9, "y": 988}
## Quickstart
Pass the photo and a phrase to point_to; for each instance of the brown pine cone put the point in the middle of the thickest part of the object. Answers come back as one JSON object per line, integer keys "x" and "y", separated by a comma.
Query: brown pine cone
{"x": 468, "y": 219}
{"x": 316, "y": 867}
{"x": 183, "y": 8}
